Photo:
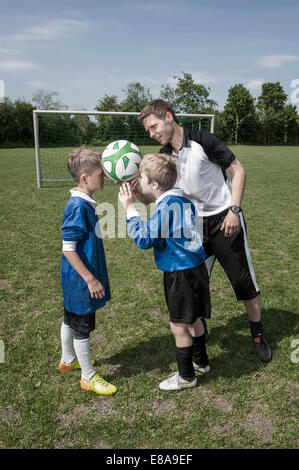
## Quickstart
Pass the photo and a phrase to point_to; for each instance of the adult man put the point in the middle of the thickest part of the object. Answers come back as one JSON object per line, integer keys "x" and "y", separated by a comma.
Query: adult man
{"x": 203, "y": 164}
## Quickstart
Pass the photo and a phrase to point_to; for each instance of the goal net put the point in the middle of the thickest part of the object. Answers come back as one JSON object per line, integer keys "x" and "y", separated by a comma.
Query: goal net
{"x": 58, "y": 133}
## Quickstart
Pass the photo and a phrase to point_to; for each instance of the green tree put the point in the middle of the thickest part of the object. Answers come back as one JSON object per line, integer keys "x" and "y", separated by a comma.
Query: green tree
{"x": 290, "y": 129}
{"x": 45, "y": 99}
{"x": 191, "y": 97}
{"x": 136, "y": 97}
{"x": 167, "y": 93}
{"x": 23, "y": 116}
{"x": 271, "y": 104}
{"x": 109, "y": 128}
{"x": 16, "y": 123}
{"x": 239, "y": 114}
{"x": 108, "y": 103}
{"x": 8, "y": 133}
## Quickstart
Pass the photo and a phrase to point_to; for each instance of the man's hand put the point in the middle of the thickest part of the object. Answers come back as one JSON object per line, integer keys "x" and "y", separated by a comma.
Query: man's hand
{"x": 126, "y": 196}
{"x": 231, "y": 224}
{"x": 96, "y": 289}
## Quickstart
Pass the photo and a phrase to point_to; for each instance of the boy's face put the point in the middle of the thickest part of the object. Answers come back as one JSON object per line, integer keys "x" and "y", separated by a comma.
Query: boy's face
{"x": 159, "y": 129}
{"x": 146, "y": 187}
{"x": 95, "y": 181}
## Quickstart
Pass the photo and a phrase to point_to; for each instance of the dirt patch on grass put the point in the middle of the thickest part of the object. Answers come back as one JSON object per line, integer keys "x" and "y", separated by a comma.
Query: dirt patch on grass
{"x": 156, "y": 313}
{"x": 208, "y": 398}
{"x": 162, "y": 407}
{"x": 4, "y": 284}
{"x": 261, "y": 423}
{"x": 99, "y": 407}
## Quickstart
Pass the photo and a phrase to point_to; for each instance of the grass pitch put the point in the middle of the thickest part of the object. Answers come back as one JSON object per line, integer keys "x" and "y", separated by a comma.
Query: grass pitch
{"x": 241, "y": 403}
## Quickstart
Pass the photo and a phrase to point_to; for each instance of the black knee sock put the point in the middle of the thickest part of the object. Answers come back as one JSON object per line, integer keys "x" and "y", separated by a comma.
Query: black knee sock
{"x": 184, "y": 361}
{"x": 200, "y": 356}
{"x": 256, "y": 329}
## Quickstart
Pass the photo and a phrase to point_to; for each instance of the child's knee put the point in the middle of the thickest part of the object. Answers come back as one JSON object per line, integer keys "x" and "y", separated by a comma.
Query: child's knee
{"x": 178, "y": 329}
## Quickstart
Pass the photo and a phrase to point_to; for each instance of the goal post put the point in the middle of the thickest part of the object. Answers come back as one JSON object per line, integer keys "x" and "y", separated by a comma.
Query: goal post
{"x": 58, "y": 132}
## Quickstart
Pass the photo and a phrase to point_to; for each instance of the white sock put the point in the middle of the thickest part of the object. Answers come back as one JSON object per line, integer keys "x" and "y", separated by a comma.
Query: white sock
{"x": 67, "y": 338}
{"x": 82, "y": 348}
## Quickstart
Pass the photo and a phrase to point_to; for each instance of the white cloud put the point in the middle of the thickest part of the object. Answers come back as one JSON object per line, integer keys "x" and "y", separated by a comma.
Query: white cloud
{"x": 276, "y": 61}
{"x": 51, "y": 30}
{"x": 199, "y": 77}
{"x": 16, "y": 66}
{"x": 255, "y": 84}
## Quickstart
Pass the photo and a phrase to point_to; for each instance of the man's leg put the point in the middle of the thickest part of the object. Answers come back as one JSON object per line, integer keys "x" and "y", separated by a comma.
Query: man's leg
{"x": 234, "y": 257}
{"x": 253, "y": 309}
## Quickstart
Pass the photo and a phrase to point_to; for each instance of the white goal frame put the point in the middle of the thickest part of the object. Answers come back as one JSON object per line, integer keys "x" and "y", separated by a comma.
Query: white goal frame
{"x": 36, "y": 113}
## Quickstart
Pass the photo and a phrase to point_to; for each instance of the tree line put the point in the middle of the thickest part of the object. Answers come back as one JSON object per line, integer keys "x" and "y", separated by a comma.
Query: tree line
{"x": 265, "y": 120}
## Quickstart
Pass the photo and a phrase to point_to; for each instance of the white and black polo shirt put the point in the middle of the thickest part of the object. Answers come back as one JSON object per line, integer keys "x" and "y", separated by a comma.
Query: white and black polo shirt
{"x": 202, "y": 164}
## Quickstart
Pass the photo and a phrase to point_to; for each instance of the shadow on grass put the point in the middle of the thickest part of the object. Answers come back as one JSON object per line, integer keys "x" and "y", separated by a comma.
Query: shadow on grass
{"x": 237, "y": 357}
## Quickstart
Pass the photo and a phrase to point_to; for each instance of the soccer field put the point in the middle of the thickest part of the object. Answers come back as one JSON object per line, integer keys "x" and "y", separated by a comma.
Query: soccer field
{"x": 241, "y": 403}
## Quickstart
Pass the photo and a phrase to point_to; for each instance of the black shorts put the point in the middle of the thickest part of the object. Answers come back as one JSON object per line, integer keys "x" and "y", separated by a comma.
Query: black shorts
{"x": 82, "y": 324}
{"x": 232, "y": 253}
{"x": 187, "y": 294}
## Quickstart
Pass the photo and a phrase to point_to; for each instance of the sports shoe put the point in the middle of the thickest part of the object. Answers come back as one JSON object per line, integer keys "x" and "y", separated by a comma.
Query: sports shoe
{"x": 175, "y": 382}
{"x": 201, "y": 368}
{"x": 98, "y": 385}
{"x": 68, "y": 367}
{"x": 263, "y": 349}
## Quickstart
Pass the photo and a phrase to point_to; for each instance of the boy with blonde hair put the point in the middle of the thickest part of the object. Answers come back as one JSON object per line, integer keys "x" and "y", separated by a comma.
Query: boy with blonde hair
{"x": 84, "y": 277}
{"x": 174, "y": 234}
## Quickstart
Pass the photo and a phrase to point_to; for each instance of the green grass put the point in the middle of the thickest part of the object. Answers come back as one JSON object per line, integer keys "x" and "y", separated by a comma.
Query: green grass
{"x": 242, "y": 403}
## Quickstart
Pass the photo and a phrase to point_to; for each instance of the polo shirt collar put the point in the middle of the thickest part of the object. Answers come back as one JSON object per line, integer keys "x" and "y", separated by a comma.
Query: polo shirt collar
{"x": 76, "y": 193}
{"x": 178, "y": 192}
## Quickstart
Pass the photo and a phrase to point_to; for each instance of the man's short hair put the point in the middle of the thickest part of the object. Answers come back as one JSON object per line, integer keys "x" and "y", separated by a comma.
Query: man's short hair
{"x": 160, "y": 168}
{"x": 82, "y": 160}
{"x": 159, "y": 108}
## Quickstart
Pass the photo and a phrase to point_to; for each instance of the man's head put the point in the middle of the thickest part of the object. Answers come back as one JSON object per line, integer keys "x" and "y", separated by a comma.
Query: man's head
{"x": 86, "y": 169}
{"x": 158, "y": 170}
{"x": 159, "y": 119}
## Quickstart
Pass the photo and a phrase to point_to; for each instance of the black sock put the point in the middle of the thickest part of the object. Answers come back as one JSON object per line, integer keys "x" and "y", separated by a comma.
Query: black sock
{"x": 256, "y": 329}
{"x": 184, "y": 361}
{"x": 200, "y": 356}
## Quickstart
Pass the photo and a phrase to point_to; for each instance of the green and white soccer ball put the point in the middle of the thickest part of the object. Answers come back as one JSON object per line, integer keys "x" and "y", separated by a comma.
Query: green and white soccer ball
{"x": 120, "y": 160}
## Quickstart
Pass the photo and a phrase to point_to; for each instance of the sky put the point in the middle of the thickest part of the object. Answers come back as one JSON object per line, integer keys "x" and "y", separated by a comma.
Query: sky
{"x": 86, "y": 49}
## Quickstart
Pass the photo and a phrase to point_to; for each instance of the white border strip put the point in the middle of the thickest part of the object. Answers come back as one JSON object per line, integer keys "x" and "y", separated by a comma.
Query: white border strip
{"x": 248, "y": 253}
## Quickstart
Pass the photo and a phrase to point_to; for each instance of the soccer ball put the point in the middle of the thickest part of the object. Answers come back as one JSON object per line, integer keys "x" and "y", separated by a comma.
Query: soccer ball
{"x": 120, "y": 160}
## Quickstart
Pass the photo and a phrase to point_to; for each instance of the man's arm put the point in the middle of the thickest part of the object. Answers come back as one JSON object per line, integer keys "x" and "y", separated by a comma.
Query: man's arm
{"x": 231, "y": 223}
{"x": 96, "y": 289}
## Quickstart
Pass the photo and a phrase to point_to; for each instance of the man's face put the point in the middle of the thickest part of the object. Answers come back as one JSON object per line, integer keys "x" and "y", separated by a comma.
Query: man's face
{"x": 160, "y": 130}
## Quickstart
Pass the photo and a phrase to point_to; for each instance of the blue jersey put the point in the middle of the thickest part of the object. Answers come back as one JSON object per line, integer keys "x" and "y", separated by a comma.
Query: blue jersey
{"x": 80, "y": 225}
{"x": 172, "y": 231}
